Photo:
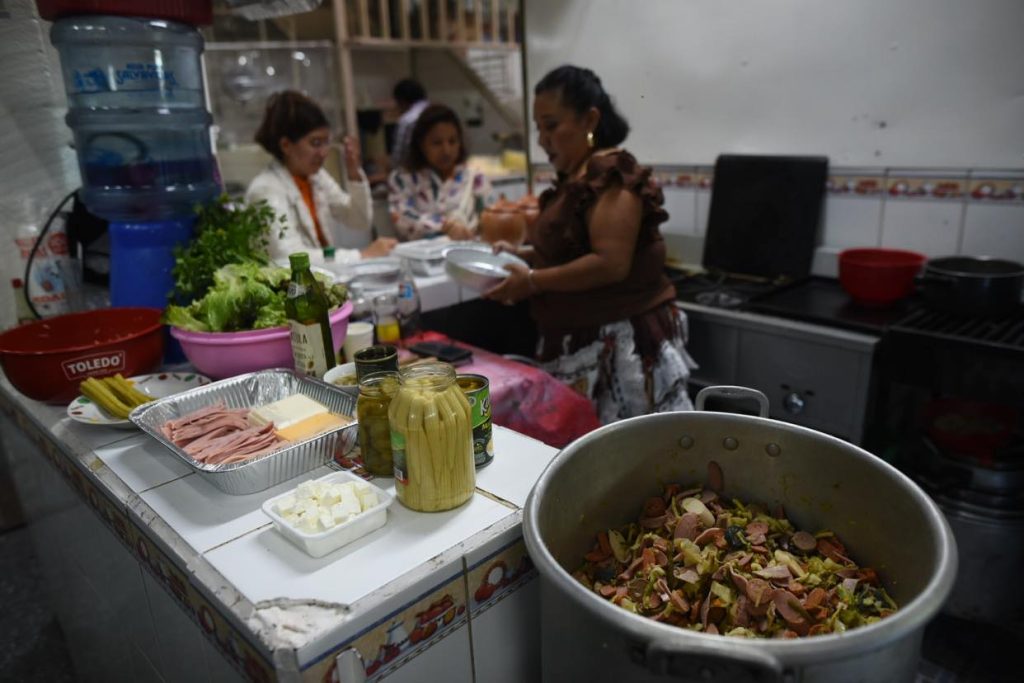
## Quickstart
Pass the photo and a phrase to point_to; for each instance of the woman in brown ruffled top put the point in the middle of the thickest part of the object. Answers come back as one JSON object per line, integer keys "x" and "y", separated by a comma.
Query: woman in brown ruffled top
{"x": 596, "y": 284}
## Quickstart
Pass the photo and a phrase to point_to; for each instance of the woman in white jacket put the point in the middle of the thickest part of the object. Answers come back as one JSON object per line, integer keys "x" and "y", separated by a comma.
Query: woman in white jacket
{"x": 316, "y": 211}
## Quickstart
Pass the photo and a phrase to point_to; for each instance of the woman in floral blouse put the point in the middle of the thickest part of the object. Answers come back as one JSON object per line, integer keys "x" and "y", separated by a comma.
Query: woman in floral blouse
{"x": 435, "y": 193}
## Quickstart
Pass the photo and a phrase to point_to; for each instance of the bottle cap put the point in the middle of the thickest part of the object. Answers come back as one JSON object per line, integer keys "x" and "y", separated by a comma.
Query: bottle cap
{"x": 299, "y": 259}
{"x": 329, "y": 253}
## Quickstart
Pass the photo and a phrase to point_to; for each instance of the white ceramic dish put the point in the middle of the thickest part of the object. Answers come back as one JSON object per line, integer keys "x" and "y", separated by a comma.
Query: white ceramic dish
{"x": 426, "y": 256}
{"x": 374, "y": 273}
{"x": 340, "y": 371}
{"x": 322, "y": 542}
{"x": 479, "y": 270}
{"x": 157, "y": 385}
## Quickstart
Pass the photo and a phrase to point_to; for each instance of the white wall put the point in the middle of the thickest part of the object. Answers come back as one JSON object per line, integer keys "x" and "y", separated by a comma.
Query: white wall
{"x": 39, "y": 166}
{"x": 920, "y": 83}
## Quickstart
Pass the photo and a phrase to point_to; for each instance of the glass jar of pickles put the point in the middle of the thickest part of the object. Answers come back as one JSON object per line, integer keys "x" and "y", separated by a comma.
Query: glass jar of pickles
{"x": 375, "y": 393}
{"x": 431, "y": 439}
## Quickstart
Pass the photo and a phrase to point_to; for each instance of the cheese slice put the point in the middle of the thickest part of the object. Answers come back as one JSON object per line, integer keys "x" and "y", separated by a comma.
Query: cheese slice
{"x": 311, "y": 426}
{"x": 286, "y": 412}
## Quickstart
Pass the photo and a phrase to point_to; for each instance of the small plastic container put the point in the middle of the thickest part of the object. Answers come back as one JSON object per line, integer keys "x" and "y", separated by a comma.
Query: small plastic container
{"x": 322, "y": 542}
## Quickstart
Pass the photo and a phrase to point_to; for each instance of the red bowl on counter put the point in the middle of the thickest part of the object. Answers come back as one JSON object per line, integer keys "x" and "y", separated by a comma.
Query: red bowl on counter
{"x": 226, "y": 354}
{"x": 877, "y": 277}
{"x": 46, "y": 360}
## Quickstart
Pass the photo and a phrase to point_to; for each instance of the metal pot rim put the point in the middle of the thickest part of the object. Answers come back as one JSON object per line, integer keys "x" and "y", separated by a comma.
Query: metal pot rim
{"x": 909, "y": 618}
{"x": 936, "y": 266}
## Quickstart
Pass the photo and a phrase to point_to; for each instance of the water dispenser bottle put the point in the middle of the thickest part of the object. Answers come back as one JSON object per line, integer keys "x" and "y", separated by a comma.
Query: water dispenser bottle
{"x": 135, "y": 93}
{"x": 146, "y": 164}
{"x": 129, "y": 63}
{"x": 137, "y": 111}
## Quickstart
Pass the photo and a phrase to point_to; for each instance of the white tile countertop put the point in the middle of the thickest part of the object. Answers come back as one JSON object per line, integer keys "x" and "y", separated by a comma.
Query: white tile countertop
{"x": 275, "y": 595}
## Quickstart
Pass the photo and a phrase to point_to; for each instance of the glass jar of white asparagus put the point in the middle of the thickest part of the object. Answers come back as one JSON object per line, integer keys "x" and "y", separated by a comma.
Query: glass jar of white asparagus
{"x": 431, "y": 439}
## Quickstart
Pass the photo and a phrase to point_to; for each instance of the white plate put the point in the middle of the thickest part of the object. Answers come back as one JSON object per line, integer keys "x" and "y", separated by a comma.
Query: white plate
{"x": 340, "y": 371}
{"x": 479, "y": 270}
{"x": 157, "y": 385}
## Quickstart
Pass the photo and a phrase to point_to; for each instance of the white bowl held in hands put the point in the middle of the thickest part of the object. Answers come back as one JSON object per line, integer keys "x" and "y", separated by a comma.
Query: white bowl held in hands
{"x": 479, "y": 270}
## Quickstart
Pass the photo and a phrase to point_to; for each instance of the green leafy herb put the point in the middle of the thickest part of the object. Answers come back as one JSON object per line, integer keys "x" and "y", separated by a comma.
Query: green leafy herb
{"x": 227, "y": 231}
{"x": 244, "y": 296}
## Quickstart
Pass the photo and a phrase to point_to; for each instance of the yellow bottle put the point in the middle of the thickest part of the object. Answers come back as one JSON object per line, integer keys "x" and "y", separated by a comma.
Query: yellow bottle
{"x": 385, "y": 319}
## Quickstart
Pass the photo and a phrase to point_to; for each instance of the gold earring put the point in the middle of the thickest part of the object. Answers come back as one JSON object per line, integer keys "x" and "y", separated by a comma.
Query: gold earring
{"x": 590, "y": 139}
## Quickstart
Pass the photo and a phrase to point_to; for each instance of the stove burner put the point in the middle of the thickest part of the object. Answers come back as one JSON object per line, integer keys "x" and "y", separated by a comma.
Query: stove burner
{"x": 1004, "y": 333}
{"x": 719, "y": 290}
{"x": 719, "y": 299}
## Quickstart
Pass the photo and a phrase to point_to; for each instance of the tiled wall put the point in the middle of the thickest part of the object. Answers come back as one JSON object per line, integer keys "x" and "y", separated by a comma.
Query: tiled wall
{"x": 976, "y": 212}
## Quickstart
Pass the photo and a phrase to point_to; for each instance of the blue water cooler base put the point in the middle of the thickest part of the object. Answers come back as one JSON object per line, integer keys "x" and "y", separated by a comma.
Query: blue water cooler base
{"x": 141, "y": 260}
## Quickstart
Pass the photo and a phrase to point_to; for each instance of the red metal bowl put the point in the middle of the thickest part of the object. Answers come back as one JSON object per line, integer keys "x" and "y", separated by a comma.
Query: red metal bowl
{"x": 877, "y": 277}
{"x": 46, "y": 360}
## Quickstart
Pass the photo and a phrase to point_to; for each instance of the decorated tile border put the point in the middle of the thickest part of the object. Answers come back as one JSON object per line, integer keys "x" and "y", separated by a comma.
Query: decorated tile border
{"x": 499, "y": 575}
{"x": 249, "y": 661}
{"x": 394, "y": 640}
{"x": 977, "y": 186}
{"x": 995, "y": 189}
{"x": 900, "y": 185}
{"x": 855, "y": 184}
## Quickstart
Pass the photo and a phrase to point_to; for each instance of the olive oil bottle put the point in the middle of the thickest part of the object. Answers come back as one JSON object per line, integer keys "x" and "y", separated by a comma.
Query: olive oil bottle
{"x": 306, "y": 306}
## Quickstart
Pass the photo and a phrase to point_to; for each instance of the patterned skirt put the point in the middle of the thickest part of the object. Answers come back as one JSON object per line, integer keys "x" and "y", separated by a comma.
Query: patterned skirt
{"x": 627, "y": 368}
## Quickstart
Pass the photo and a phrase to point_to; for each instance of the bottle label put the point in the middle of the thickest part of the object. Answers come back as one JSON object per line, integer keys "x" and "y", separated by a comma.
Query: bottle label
{"x": 308, "y": 349}
{"x": 295, "y": 290}
{"x": 398, "y": 457}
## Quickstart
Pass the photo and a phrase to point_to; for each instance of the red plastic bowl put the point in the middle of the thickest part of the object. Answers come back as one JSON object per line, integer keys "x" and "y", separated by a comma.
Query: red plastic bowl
{"x": 226, "y": 354}
{"x": 876, "y": 277}
{"x": 46, "y": 360}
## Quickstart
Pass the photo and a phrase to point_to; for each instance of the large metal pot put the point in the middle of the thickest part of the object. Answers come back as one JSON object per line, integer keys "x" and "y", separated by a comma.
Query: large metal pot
{"x": 973, "y": 285}
{"x": 602, "y": 479}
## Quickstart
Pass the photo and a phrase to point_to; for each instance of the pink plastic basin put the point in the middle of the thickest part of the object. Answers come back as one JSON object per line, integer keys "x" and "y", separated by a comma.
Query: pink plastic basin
{"x": 226, "y": 354}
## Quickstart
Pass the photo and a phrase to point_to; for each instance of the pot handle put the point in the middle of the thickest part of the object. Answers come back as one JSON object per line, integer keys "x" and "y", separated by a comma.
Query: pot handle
{"x": 723, "y": 662}
{"x": 733, "y": 392}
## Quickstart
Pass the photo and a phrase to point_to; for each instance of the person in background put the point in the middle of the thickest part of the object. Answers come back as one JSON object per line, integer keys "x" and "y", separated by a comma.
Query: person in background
{"x": 435, "y": 193}
{"x": 411, "y": 100}
{"x": 296, "y": 186}
{"x": 596, "y": 283}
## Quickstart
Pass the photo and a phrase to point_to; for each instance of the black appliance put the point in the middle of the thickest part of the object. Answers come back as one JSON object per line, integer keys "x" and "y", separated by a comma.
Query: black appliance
{"x": 949, "y": 412}
{"x": 761, "y": 228}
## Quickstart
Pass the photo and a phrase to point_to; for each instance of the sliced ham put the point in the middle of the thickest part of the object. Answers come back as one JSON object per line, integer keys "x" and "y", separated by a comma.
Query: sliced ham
{"x": 216, "y": 435}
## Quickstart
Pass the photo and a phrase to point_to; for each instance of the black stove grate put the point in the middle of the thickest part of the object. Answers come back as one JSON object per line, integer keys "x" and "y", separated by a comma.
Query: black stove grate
{"x": 1005, "y": 333}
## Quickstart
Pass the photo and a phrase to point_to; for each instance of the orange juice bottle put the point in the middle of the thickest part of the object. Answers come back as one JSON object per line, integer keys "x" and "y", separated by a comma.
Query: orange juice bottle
{"x": 385, "y": 319}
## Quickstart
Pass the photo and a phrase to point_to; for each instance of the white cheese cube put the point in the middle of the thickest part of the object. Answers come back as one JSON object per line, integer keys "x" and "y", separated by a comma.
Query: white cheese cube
{"x": 339, "y": 513}
{"x": 307, "y": 524}
{"x": 350, "y": 503}
{"x": 332, "y": 494}
{"x": 368, "y": 498}
{"x": 291, "y": 518}
{"x": 326, "y": 519}
{"x": 309, "y": 508}
{"x": 305, "y": 490}
{"x": 319, "y": 489}
{"x": 285, "y": 505}
{"x": 361, "y": 486}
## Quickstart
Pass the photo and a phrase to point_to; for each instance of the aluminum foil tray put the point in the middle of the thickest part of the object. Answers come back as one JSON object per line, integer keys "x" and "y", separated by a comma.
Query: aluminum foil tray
{"x": 248, "y": 391}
